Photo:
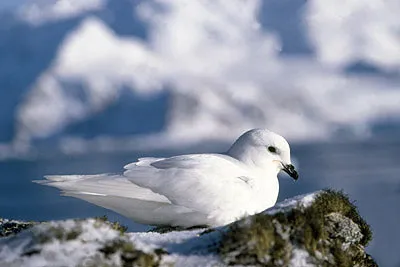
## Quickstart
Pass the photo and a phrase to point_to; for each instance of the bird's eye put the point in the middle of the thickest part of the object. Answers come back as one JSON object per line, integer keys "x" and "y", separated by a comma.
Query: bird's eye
{"x": 272, "y": 149}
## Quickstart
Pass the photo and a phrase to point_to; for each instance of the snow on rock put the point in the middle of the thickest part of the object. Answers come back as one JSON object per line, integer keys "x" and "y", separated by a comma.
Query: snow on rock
{"x": 303, "y": 201}
{"x": 300, "y": 258}
{"x": 91, "y": 242}
{"x": 300, "y": 232}
{"x": 318, "y": 229}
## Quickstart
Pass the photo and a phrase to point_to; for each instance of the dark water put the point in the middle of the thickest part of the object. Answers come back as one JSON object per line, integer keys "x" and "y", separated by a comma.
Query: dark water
{"x": 367, "y": 171}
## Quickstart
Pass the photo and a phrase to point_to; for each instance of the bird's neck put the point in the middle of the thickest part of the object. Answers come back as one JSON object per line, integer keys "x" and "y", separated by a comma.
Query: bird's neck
{"x": 253, "y": 159}
{"x": 242, "y": 153}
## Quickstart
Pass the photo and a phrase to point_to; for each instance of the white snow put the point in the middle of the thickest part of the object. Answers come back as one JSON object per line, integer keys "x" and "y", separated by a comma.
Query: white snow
{"x": 37, "y": 12}
{"x": 303, "y": 201}
{"x": 185, "y": 248}
{"x": 224, "y": 73}
{"x": 368, "y": 31}
{"x": 299, "y": 258}
{"x": 55, "y": 252}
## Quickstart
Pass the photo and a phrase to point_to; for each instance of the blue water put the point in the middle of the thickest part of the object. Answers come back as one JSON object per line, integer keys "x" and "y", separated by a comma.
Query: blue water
{"x": 368, "y": 171}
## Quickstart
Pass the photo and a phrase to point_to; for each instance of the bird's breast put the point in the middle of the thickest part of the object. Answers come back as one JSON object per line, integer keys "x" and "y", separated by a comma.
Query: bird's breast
{"x": 259, "y": 196}
{"x": 265, "y": 193}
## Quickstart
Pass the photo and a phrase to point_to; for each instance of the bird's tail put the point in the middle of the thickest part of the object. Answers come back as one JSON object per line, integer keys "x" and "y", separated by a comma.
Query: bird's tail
{"x": 116, "y": 193}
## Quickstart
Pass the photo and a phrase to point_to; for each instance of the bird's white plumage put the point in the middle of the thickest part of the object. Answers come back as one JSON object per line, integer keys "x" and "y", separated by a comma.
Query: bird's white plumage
{"x": 188, "y": 190}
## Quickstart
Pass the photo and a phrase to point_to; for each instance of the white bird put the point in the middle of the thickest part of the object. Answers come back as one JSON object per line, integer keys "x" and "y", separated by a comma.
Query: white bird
{"x": 190, "y": 190}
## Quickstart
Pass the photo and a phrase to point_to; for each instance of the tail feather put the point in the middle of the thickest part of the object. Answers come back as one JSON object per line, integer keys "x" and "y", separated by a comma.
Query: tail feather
{"x": 102, "y": 184}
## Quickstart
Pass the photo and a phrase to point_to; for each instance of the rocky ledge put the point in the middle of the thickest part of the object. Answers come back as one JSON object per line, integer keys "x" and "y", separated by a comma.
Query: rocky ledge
{"x": 318, "y": 229}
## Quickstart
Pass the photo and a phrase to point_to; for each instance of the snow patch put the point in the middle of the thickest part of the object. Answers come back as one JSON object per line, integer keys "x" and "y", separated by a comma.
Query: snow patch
{"x": 355, "y": 31}
{"x": 73, "y": 243}
{"x": 300, "y": 258}
{"x": 41, "y": 11}
{"x": 26, "y": 249}
{"x": 303, "y": 201}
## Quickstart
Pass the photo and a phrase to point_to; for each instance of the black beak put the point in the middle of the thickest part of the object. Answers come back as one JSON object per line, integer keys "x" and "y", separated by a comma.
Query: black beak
{"x": 289, "y": 169}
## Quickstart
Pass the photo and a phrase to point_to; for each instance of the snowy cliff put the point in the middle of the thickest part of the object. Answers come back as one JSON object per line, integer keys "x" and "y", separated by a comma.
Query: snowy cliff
{"x": 84, "y": 75}
{"x": 319, "y": 229}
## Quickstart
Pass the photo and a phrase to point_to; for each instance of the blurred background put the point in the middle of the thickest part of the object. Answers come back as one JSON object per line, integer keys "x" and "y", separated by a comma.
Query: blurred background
{"x": 88, "y": 86}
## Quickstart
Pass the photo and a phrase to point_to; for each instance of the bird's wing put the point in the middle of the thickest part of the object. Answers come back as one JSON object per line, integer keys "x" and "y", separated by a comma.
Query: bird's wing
{"x": 144, "y": 211}
{"x": 206, "y": 183}
{"x": 117, "y": 193}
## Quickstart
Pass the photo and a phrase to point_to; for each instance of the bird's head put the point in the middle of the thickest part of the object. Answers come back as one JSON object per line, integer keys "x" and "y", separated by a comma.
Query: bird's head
{"x": 264, "y": 149}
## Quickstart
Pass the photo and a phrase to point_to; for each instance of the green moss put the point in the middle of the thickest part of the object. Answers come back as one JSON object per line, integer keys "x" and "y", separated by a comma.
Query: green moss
{"x": 131, "y": 256}
{"x": 258, "y": 243}
{"x": 268, "y": 239}
{"x": 57, "y": 232}
{"x": 334, "y": 201}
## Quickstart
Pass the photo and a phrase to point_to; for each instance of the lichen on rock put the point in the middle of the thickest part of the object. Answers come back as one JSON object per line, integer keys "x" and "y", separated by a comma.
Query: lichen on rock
{"x": 339, "y": 226}
{"x": 12, "y": 227}
{"x": 329, "y": 232}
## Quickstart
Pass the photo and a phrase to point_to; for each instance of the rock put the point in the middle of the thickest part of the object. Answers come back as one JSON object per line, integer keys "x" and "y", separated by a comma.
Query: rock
{"x": 91, "y": 242}
{"x": 323, "y": 229}
{"x": 319, "y": 229}
{"x": 343, "y": 228}
{"x": 11, "y": 227}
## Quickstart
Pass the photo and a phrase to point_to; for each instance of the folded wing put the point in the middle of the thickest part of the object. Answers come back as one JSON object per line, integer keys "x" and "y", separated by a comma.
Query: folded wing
{"x": 199, "y": 182}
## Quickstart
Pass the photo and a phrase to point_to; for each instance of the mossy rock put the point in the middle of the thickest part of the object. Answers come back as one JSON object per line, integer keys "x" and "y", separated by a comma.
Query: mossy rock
{"x": 114, "y": 225}
{"x": 127, "y": 253}
{"x": 130, "y": 256}
{"x": 318, "y": 229}
{"x": 114, "y": 248}
{"x": 329, "y": 231}
{"x": 11, "y": 227}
